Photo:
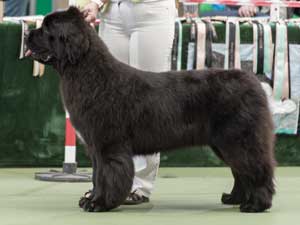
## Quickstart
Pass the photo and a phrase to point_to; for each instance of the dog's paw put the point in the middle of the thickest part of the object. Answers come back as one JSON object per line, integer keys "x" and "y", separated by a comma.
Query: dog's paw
{"x": 82, "y": 201}
{"x": 248, "y": 208}
{"x": 91, "y": 206}
{"x": 230, "y": 199}
{"x": 86, "y": 197}
{"x": 88, "y": 203}
{"x": 253, "y": 208}
{"x": 88, "y": 206}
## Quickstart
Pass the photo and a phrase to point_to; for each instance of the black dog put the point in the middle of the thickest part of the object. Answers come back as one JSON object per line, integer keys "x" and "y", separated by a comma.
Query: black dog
{"x": 120, "y": 112}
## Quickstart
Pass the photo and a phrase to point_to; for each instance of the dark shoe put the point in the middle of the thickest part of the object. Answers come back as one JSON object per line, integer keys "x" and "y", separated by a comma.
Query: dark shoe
{"x": 135, "y": 199}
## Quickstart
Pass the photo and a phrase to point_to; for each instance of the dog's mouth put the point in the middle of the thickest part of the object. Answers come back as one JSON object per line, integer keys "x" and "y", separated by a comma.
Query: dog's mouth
{"x": 28, "y": 53}
{"x": 42, "y": 57}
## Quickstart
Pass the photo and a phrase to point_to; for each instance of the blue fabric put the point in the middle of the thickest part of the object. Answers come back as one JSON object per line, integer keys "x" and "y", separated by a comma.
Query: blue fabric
{"x": 228, "y": 11}
{"x": 15, "y": 7}
{"x": 218, "y": 7}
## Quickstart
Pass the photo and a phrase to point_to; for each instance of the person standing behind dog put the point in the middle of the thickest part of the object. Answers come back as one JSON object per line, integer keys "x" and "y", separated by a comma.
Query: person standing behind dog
{"x": 139, "y": 33}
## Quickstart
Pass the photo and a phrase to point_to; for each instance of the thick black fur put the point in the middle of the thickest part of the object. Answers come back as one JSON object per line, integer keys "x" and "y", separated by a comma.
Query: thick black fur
{"x": 120, "y": 112}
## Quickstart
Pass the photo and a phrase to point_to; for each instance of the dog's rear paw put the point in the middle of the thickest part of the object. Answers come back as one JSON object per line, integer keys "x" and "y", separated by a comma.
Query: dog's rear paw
{"x": 230, "y": 199}
{"x": 254, "y": 208}
{"x": 259, "y": 201}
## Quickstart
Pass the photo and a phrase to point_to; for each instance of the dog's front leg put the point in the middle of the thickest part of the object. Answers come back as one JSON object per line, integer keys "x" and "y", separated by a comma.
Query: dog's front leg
{"x": 113, "y": 178}
{"x": 90, "y": 193}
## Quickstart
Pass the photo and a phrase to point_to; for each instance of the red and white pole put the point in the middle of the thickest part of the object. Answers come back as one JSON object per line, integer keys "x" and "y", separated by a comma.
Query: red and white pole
{"x": 70, "y": 164}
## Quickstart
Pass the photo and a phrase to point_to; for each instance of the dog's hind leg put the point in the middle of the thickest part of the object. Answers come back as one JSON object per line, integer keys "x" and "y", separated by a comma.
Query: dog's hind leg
{"x": 246, "y": 142}
{"x": 253, "y": 170}
{"x": 237, "y": 194}
{"x": 258, "y": 185}
{"x": 113, "y": 178}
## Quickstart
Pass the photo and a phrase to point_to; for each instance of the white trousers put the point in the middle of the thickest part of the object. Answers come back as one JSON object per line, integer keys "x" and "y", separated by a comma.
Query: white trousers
{"x": 141, "y": 35}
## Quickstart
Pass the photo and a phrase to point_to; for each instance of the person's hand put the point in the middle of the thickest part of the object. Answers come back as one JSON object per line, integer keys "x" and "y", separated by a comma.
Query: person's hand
{"x": 247, "y": 11}
{"x": 90, "y": 12}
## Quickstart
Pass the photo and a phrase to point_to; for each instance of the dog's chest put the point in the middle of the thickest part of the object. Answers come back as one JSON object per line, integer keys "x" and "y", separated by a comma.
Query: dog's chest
{"x": 73, "y": 105}
{"x": 73, "y": 97}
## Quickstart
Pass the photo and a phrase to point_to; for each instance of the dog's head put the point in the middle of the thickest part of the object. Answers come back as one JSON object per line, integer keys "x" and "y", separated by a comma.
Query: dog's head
{"x": 63, "y": 37}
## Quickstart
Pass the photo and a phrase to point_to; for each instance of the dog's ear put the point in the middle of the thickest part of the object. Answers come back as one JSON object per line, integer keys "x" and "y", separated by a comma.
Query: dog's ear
{"x": 74, "y": 46}
{"x": 72, "y": 42}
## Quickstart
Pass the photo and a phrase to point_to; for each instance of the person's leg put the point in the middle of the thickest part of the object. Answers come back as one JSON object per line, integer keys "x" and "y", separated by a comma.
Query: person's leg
{"x": 143, "y": 182}
{"x": 113, "y": 33}
{"x": 16, "y": 7}
{"x": 152, "y": 35}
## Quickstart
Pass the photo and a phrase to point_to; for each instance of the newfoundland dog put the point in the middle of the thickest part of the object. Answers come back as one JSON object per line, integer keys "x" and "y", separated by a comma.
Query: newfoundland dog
{"x": 119, "y": 111}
